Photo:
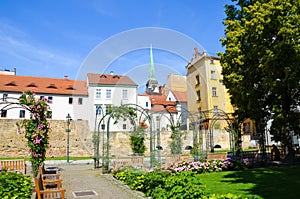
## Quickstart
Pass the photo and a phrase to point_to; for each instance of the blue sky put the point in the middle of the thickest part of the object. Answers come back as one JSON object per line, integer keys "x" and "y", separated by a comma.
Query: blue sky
{"x": 53, "y": 38}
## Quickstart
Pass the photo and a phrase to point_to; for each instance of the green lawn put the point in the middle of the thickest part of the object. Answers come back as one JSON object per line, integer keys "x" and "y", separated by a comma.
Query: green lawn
{"x": 273, "y": 182}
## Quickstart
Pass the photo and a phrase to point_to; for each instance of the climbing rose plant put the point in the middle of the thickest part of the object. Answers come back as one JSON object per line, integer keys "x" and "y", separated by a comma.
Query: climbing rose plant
{"x": 36, "y": 129}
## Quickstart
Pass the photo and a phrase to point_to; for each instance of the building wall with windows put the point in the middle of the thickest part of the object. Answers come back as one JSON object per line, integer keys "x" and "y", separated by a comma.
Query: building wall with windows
{"x": 105, "y": 92}
{"x": 205, "y": 89}
{"x": 63, "y": 95}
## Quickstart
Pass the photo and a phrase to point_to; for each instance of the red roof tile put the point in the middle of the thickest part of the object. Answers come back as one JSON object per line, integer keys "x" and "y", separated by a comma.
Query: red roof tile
{"x": 15, "y": 83}
{"x": 106, "y": 79}
{"x": 159, "y": 103}
{"x": 180, "y": 96}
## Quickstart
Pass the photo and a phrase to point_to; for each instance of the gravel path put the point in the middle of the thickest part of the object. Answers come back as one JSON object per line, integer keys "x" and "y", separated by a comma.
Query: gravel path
{"x": 83, "y": 181}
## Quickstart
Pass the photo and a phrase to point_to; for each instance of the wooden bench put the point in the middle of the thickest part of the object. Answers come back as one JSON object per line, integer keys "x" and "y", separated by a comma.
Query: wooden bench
{"x": 41, "y": 192}
{"x": 14, "y": 165}
{"x": 134, "y": 161}
{"x": 216, "y": 156}
{"x": 168, "y": 160}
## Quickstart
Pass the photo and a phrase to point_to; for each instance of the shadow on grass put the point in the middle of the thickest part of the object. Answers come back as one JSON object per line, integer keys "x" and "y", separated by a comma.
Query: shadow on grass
{"x": 270, "y": 182}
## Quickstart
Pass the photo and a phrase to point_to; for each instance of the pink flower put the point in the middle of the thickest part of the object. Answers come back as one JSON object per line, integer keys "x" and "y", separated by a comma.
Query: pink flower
{"x": 37, "y": 141}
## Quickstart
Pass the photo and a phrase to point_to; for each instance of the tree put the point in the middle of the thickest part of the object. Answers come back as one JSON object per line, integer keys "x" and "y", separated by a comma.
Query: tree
{"x": 261, "y": 63}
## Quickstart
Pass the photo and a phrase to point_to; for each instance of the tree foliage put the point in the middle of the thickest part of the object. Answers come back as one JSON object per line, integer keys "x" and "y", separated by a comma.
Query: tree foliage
{"x": 261, "y": 63}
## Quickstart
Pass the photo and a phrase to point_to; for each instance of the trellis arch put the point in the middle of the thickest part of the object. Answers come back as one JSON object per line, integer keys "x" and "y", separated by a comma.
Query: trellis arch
{"x": 208, "y": 120}
{"x": 141, "y": 115}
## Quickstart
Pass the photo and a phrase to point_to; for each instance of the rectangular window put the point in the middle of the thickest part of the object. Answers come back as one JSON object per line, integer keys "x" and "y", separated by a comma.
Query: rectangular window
{"x": 49, "y": 114}
{"x": 80, "y": 101}
{"x": 70, "y": 100}
{"x": 22, "y": 114}
{"x": 213, "y": 74}
{"x": 215, "y": 110}
{"x": 125, "y": 93}
{"x": 147, "y": 104}
{"x": 3, "y": 113}
{"x": 42, "y": 97}
{"x": 198, "y": 96}
{"x": 214, "y": 91}
{"x": 98, "y": 93}
{"x": 50, "y": 99}
{"x": 107, "y": 108}
{"x": 5, "y": 96}
{"x": 124, "y": 126}
{"x": 108, "y": 93}
{"x": 197, "y": 79}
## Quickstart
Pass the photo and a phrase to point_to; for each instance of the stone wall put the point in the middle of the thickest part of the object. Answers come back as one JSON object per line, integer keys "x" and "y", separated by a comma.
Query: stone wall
{"x": 13, "y": 144}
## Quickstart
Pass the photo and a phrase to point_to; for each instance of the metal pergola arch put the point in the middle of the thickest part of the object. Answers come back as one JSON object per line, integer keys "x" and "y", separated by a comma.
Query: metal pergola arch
{"x": 136, "y": 108}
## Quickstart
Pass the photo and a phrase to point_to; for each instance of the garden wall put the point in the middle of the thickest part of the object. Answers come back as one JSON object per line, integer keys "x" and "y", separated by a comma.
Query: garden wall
{"x": 13, "y": 144}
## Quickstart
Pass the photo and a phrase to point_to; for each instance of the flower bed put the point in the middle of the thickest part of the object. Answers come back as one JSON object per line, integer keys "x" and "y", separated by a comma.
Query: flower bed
{"x": 179, "y": 180}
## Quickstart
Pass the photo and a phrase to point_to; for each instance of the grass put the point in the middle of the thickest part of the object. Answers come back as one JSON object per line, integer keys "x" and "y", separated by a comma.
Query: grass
{"x": 271, "y": 182}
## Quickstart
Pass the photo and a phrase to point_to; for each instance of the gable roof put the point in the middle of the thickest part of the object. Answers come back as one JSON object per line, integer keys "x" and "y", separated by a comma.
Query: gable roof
{"x": 180, "y": 96}
{"x": 106, "y": 79}
{"x": 63, "y": 86}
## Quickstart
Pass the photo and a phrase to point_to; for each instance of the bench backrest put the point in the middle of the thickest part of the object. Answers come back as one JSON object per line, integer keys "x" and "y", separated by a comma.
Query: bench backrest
{"x": 14, "y": 165}
{"x": 216, "y": 156}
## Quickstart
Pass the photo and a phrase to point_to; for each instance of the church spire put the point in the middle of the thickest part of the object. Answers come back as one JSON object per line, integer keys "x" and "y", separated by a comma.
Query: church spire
{"x": 151, "y": 68}
{"x": 152, "y": 84}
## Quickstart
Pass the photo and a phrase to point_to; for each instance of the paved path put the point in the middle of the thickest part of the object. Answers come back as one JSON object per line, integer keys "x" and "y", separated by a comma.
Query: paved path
{"x": 81, "y": 181}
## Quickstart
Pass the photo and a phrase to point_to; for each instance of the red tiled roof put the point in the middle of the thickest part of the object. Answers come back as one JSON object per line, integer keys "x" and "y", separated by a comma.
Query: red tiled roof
{"x": 106, "y": 79}
{"x": 63, "y": 86}
{"x": 159, "y": 103}
{"x": 180, "y": 96}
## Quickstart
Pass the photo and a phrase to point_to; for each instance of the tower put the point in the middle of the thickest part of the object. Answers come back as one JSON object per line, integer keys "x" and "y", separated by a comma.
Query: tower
{"x": 152, "y": 83}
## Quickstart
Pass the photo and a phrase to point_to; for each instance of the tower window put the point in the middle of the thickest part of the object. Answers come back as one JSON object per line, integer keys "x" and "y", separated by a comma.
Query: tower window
{"x": 213, "y": 74}
{"x": 214, "y": 91}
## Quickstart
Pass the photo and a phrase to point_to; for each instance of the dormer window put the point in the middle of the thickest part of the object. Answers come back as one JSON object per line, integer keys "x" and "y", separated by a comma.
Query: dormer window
{"x": 102, "y": 76}
{"x": 32, "y": 85}
{"x": 116, "y": 76}
{"x": 11, "y": 84}
{"x": 70, "y": 88}
{"x": 52, "y": 86}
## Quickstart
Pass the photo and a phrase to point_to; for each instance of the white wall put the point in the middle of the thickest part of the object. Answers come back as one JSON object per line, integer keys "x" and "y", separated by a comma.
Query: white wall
{"x": 60, "y": 106}
{"x": 115, "y": 100}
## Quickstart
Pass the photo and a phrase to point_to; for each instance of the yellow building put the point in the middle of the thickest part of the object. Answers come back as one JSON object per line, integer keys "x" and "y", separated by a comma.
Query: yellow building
{"x": 205, "y": 87}
{"x": 208, "y": 96}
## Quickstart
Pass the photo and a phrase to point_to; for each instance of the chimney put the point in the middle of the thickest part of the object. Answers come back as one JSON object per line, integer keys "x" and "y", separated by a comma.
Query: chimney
{"x": 66, "y": 77}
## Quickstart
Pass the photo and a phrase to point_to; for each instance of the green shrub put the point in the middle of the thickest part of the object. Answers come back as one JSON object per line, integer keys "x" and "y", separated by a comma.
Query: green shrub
{"x": 14, "y": 185}
{"x": 153, "y": 180}
{"x": 132, "y": 177}
{"x": 182, "y": 185}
